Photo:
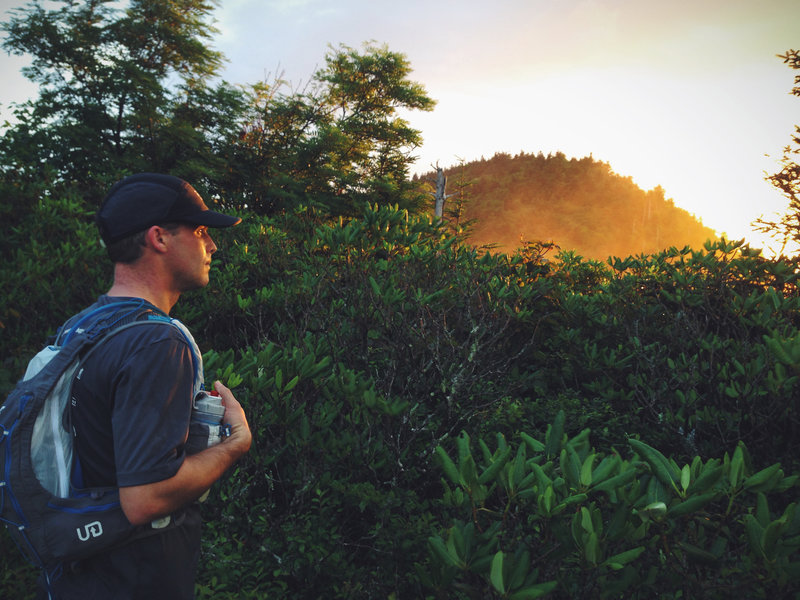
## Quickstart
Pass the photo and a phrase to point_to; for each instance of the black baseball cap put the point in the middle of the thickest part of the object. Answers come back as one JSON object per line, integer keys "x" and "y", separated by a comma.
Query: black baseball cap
{"x": 140, "y": 201}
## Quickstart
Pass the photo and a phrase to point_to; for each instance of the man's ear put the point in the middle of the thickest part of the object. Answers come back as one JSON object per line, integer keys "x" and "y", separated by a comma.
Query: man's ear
{"x": 157, "y": 238}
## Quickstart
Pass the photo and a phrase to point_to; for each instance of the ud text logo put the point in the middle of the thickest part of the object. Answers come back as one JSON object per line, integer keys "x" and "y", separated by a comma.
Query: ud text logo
{"x": 90, "y": 530}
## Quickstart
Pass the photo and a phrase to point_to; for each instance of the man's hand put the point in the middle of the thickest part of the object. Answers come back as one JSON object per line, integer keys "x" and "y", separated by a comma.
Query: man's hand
{"x": 141, "y": 504}
{"x": 235, "y": 417}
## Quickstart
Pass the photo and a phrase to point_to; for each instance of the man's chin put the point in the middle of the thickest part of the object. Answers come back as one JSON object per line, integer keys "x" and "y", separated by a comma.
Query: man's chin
{"x": 195, "y": 285}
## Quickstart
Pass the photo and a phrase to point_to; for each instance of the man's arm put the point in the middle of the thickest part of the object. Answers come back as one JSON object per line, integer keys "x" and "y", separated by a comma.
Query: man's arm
{"x": 144, "y": 503}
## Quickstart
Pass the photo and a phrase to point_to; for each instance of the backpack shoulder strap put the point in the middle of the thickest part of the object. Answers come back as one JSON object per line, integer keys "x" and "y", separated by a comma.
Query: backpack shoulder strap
{"x": 150, "y": 318}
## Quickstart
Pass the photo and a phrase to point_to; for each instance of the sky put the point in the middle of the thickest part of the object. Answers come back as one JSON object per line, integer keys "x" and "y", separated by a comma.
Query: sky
{"x": 686, "y": 94}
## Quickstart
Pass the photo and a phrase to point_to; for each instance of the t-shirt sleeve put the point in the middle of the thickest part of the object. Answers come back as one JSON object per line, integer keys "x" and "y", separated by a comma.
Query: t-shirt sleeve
{"x": 152, "y": 407}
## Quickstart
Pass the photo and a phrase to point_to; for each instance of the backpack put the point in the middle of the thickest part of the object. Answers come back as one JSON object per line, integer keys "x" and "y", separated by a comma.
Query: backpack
{"x": 49, "y": 518}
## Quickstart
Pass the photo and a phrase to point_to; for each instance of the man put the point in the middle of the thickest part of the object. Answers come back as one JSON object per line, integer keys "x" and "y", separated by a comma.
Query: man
{"x": 131, "y": 402}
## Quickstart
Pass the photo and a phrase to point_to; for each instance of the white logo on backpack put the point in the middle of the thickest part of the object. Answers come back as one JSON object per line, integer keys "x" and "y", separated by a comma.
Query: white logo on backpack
{"x": 90, "y": 530}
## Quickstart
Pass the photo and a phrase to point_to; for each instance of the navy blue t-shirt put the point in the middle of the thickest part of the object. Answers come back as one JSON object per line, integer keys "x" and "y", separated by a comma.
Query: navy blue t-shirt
{"x": 131, "y": 410}
{"x": 131, "y": 404}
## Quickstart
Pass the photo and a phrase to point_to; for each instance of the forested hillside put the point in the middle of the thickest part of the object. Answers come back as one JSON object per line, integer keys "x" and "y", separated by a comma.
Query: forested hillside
{"x": 580, "y": 204}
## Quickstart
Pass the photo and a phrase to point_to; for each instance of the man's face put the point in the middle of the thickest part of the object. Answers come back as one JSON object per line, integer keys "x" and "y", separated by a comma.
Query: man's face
{"x": 191, "y": 256}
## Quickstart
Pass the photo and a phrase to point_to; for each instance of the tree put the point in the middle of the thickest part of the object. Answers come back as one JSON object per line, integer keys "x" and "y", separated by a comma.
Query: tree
{"x": 125, "y": 90}
{"x": 787, "y": 179}
{"x": 270, "y": 164}
{"x": 119, "y": 91}
{"x": 371, "y": 143}
{"x": 338, "y": 141}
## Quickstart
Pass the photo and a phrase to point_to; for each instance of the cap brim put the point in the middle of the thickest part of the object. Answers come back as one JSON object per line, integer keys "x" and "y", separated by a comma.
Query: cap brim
{"x": 209, "y": 218}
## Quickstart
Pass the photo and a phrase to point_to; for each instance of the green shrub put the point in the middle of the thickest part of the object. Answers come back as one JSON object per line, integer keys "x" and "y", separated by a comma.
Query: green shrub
{"x": 52, "y": 266}
{"x": 361, "y": 345}
{"x": 680, "y": 347}
{"x": 562, "y": 517}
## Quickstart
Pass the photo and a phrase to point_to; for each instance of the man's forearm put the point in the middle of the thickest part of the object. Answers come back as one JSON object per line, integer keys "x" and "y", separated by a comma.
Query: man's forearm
{"x": 144, "y": 503}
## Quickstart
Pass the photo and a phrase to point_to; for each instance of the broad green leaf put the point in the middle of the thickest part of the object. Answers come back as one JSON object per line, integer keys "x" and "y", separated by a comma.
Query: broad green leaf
{"x": 737, "y": 468}
{"x": 554, "y": 435}
{"x": 493, "y": 469}
{"x": 586, "y": 520}
{"x": 534, "y": 591}
{"x": 755, "y": 534}
{"x": 438, "y": 548}
{"x": 586, "y": 470}
{"x": 691, "y": 504}
{"x": 661, "y": 467}
{"x": 448, "y": 465}
{"x": 760, "y": 478}
{"x": 698, "y": 554}
{"x": 292, "y": 384}
{"x": 617, "y": 561}
{"x": 686, "y": 477}
{"x": 496, "y": 573}
{"x": 532, "y": 443}
{"x": 710, "y": 475}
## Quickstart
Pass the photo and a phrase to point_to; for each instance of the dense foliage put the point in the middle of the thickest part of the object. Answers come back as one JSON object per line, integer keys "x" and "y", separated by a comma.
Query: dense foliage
{"x": 581, "y": 204}
{"x": 121, "y": 90}
{"x": 573, "y": 522}
{"x": 335, "y": 143}
{"x": 133, "y": 89}
{"x": 362, "y": 349}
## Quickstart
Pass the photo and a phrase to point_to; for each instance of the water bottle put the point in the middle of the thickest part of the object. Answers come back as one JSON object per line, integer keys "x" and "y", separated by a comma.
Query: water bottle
{"x": 205, "y": 430}
{"x": 205, "y": 426}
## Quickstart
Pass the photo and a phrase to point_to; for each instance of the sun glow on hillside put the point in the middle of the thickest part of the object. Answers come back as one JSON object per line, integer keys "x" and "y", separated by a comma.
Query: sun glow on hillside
{"x": 658, "y": 131}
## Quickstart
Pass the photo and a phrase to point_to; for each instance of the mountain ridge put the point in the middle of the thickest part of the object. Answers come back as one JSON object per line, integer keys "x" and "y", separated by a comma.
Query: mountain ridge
{"x": 580, "y": 204}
